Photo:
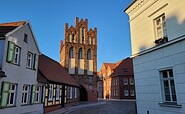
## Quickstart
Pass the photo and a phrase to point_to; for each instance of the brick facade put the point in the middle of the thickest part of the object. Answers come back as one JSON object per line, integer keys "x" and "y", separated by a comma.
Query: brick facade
{"x": 82, "y": 67}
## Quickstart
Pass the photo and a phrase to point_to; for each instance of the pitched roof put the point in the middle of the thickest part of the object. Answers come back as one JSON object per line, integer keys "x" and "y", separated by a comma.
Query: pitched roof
{"x": 124, "y": 67}
{"x": 7, "y": 27}
{"x": 53, "y": 71}
{"x": 111, "y": 65}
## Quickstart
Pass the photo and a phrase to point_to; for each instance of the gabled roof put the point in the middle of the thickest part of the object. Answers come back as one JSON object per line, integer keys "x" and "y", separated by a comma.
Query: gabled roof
{"x": 8, "y": 27}
{"x": 52, "y": 71}
{"x": 124, "y": 67}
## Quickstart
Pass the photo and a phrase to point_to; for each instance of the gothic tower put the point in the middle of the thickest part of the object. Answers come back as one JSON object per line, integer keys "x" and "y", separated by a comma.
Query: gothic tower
{"x": 78, "y": 54}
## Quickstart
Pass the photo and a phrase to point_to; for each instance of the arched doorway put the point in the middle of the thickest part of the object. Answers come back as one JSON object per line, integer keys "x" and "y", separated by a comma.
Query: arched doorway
{"x": 83, "y": 93}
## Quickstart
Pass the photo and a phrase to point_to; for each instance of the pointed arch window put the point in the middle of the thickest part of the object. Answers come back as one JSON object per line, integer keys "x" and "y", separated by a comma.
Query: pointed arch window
{"x": 89, "y": 54}
{"x": 73, "y": 38}
{"x": 71, "y": 53}
{"x": 80, "y": 54}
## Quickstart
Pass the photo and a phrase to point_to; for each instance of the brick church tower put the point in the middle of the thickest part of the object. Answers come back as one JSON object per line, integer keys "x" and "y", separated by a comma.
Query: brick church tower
{"x": 78, "y": 54}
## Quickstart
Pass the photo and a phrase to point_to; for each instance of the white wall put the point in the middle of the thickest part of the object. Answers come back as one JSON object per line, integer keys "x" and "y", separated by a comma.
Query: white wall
{"x": 2, "y": 42}
{"x": 20, "y": 74}
{"x": 81, "y": 66}
{"x": 71, "y": 66}
{"x": 90, "y": 67}
{"x": 148, "y": 83}
{"x": 146, "y": 66}
{"x": 142, "y": 21}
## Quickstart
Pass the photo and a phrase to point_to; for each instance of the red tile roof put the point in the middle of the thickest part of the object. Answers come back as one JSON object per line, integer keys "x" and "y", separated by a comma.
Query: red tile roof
{"x": 124, "y": 67}
{"x": 54, "y": 72}
{"x": 7, "y": 27}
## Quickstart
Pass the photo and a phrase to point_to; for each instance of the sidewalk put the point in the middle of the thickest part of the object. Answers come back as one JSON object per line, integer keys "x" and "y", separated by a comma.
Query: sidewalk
{"x": 80, "y": 105}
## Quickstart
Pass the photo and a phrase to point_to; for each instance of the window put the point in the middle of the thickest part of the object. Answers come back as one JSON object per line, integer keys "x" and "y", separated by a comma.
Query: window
{"x": 125, "y": 81}
{"x": 50, "y": 92}
{"x": 168, "y": 85}
{"x": 160, "y": 27}
{"x": 8, "y": 94}
{"x": 73, "y": 38}
{"x": 132, "y": 93}
{"x": 89, "y": 54}
{"x": 26, "y": 38}
{"x": 57, "y": 92}
{"x": 93, "y": 41}
{"x": 71, "y": 93}
{"x": 126, "y": 92}
{"x": 83, "y": 40}
{"x": 16, "y": 58}
{"x": 37, "y": 94}
{"x": 13, "y": 54}
{"x": 25, "y": 94}
{"x": 80, "y": 54}
{"x": 76, "y": 93}
{"x": 116, "y": 92}
{"x": 89, "y": 40}
{"x": 131, "y": 81}
{"x": 116, "y": 81}
{"x": 69, "y": 37}
{"x": 71, "y": 53}
{"x": 29, "y": 59}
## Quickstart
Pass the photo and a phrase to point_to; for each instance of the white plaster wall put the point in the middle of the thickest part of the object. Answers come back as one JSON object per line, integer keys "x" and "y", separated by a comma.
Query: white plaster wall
{"x": 142, "y": 21}
{"x": 90, "y": 67}
{"x": 20, "y": 74}
{"x": 2, "y": 43}
{"x": 81, "y": 66}
{"x": 148, "y": 83}
{"x": 71, "y": 66}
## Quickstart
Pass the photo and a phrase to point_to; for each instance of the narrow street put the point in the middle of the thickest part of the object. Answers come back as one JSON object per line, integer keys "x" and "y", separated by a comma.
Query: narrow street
{"x": 110, "y": 107}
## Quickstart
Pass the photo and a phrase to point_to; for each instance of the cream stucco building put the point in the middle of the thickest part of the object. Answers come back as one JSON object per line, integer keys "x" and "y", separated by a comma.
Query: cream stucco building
{"x": 158, "y": 49}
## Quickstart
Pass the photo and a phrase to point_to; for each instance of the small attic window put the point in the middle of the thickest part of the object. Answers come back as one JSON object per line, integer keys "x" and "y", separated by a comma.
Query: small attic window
{"x": 26, "y": 38}
{"x": 125, "y": 70}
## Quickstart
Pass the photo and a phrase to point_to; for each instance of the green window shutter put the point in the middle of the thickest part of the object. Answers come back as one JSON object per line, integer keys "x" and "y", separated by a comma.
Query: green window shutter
{"x": 10, "y": 53}
{"x": 43, "y": 94}
{"x": 4, "y": 94}
{"x": 33, "y": 88}
{"x": 36, "y": 57}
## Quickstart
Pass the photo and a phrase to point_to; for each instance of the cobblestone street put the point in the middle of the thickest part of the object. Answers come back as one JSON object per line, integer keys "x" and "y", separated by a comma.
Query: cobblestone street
{"x": 111, "y": 107}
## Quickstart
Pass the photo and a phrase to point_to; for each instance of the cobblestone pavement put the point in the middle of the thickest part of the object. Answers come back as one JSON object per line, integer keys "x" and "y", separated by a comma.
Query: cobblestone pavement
{"x": 109, "y": 107}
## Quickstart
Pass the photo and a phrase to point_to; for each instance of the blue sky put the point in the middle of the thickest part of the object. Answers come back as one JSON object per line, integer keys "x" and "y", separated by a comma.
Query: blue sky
{"x": 47, "y": 18}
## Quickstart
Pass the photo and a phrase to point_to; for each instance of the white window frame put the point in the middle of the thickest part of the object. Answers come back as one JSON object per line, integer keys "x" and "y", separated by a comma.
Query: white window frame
{"x": 37, "y": 94}
{"x": 70, "y": 92}
{"x": 50, "y": 92}
{"x": 76, "y": 90}
{"x": 168, "y": 79}
{"x": 12, "y": 92}
{"x": 126, "y": 93}
{"x": 25, "y": 93}
{"x": 29, "y": 60}
{"x": 16, "y": 57}
{"x": 57, "y": 92}
{"x": 131, "y": 81}
{"x": 132, "y": 93}
{"x": 125, "y": 81}
{"x": 116, "y": 81}
{"x": 160, "y": 28}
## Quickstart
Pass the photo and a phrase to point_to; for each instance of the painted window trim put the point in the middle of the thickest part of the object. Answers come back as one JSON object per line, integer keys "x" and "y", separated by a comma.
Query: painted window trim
{"x": 28, "y": 94}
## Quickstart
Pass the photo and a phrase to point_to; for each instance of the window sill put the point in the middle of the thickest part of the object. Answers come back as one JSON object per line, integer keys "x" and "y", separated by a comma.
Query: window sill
{"x": 25, "y": 104}
{"x": 8, "y": 107}
{"x": 30, "y": 68}
{"x": 172, "y": 105}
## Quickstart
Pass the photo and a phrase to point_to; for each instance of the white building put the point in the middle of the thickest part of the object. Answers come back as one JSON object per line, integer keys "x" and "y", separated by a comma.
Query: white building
{"x": 158, "y": 50}
{"x": 20, "y": 91}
